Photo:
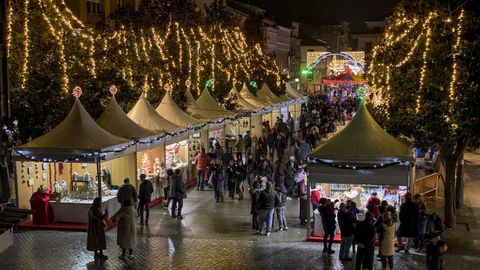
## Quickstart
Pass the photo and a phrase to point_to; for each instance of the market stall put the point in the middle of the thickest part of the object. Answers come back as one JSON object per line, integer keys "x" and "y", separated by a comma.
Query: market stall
{"x": 183, "y": 150}
{"x": 361, "y": 159}
{"x": 151, "y": 155}
{"x": 250, "y": 98}
{"x": 61, "y": 172}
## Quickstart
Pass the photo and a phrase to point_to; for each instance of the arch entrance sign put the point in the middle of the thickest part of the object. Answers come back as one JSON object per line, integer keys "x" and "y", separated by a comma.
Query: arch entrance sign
{"x": 355, "y": 60}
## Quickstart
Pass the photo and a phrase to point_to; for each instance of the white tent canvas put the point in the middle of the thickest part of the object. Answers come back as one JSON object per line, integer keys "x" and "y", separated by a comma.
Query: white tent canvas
{"x": 145, "y": 115}
{"x": 292, "y": 92}
{"x": 170, "y": 110}
{"x": 242, "y": 103}
{"x": 265, "y": 94}
{"x": 250, "y": 98}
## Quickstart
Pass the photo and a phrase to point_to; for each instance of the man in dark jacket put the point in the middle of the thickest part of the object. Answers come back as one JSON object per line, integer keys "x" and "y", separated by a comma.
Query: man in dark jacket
{"x": 408, "y": 216}
{"x": 365, "y": 238}
{"x": 127, "y": 192}
{"x": 329, "y": 227}
{"x": 247, "y": 142}
{"x": 177, "y": 193}
{"x": 267, "y": 202}
{"x": 144, "y": 196}
{"x": 347, "y": 223}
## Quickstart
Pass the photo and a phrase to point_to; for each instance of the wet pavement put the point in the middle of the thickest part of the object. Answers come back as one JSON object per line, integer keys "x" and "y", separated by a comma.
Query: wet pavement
{"x": 215, "y": 236}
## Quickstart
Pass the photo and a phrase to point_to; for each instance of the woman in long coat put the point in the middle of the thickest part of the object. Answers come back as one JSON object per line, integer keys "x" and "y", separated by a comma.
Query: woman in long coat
{"x": 387, "y": 237}
{"x": 96, "y": 230}
{"x": 127, "y": 228}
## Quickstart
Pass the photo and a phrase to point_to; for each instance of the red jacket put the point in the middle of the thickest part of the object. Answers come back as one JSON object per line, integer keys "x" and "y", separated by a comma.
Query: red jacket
{"x": 372, "y": 206}
{"x": 315, "y": 196}
{"x": 201, "y": 161}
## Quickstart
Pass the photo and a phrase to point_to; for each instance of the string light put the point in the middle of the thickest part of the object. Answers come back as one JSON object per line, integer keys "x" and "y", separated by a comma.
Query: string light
{"x": 456, "y": 51}
{"x": 423, "y": 70}
{"x": 26, "y": 44}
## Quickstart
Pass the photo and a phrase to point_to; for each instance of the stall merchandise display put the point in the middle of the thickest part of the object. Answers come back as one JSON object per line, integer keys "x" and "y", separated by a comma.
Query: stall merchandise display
{"x": 194, "y": 147}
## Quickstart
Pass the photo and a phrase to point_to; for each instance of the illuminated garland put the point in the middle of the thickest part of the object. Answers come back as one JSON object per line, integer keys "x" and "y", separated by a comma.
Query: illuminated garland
{"x": 197, "y": 52}
{"x": 312, "y": 160}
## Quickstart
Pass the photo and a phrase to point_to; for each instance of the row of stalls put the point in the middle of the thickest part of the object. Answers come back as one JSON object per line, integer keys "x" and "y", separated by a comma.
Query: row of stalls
{"x": 361, "y": 159}
{"x": 60, "y": 173}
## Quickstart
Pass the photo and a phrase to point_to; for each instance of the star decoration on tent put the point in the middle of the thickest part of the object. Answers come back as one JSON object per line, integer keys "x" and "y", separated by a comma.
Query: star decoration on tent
{"x": 361, "y": 93}
{"x": 113, "y": 90}
{"x": 209, "y": 83}
{"x": 77, "y": 91}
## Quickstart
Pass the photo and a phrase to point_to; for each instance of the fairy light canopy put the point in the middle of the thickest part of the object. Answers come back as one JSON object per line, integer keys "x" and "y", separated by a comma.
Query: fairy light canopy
{"x": 115, "y": 120}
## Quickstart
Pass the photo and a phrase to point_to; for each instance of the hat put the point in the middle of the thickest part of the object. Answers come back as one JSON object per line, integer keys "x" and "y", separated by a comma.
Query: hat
{"x": 374, "y": 193}
{"x": 264, "y": 179}
{"x": 292, "y": 158}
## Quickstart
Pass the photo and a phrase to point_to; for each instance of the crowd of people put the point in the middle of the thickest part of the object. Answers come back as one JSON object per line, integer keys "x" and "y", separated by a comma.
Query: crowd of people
{"x": 324, "y": 112}
{"x": 412, "y": 227}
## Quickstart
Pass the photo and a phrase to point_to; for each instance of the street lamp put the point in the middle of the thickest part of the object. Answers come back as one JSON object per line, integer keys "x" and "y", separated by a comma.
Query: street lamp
{"x": 297, "y": 80}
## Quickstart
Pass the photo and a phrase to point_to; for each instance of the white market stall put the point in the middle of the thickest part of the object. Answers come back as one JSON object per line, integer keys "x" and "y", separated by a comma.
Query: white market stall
{"x": 360, "y": 159}
{"x": 60, "y": 167}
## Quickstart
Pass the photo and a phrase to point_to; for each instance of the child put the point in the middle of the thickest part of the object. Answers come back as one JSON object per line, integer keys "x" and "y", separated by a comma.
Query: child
{"x": 435, "y": 250}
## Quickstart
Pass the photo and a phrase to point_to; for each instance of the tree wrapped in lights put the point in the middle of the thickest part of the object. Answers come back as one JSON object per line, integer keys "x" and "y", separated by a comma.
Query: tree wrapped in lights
{"x": 50, "y": 51}
{"x": 425, "y": 70}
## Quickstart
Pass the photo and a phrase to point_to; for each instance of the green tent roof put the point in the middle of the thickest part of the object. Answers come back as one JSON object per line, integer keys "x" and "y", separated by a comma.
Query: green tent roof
{"x": 362, "y": 140}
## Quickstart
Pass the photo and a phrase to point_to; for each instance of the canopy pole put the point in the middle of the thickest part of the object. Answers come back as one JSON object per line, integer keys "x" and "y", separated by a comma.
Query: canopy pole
{"x": 135, "y": 165}
{"x": 99, "y": 176}
{"x": 309, "y": 203}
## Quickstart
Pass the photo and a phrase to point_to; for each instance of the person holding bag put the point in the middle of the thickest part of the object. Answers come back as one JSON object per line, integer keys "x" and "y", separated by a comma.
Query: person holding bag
{"x": 96, "y": 241}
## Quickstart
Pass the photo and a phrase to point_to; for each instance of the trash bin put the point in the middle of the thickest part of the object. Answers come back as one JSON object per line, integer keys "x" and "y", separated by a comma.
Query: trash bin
{"x": 41, "y": 211}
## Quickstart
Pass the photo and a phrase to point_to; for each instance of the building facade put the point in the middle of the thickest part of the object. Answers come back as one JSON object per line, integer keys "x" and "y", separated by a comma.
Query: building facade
{"x": 365, "y": 41}
{"x": 94, "y": 11}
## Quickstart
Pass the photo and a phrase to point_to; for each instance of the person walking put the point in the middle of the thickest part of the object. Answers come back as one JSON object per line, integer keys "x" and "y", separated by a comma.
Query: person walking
{"x": 250, "y": 170}
{"x": 291, "y": 126}
{"x": 240, "y": 174}
{"x": 96, "y": 241}
{"x": 167, "y": 192}
{"x": 254, "y": 206}
{"x": 177, "y": 193}
{"x": 281, "y": 146}
{"x": 280, "y": 208}
{"x": 265, "y": 169}
{"x": 127, "y": 192}
{"x": 268, "y": 201}
{"x": 127, "y": 229}
{"x": 144, "y": 197}
{"x": 230, "y": 178}
{"x": 239, "y": 145}
{"x": 408, "y": 216}
{"x": 272, "y": 141}
{"x": 227, "y": 158}
{"x": 330, "y": 225}
{"x": 303, "y": 150}
{"x": 201, "y": 164}
{"x": 365, "y": 238}
{"x": 248, "y": 143}
{"x": 386, "y": 237}
{"x": 217, "y": 179}
{"x": 347, "y": 223}
{"x": 291, "y": 168}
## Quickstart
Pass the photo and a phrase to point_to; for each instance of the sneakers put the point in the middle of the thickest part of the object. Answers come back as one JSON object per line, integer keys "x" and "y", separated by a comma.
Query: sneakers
{"x": 180, "y": 217}
{"x": 131, "y": 256}
{"x": 268, "y": 234}
{"x": 347, "y": 259}
{"x": 122, "y": 257}
{"x": 399, "y": 249}
{"x": 285, "y": 229}
{"x": 330, "y": 251}
{"x": 174, "y": 215}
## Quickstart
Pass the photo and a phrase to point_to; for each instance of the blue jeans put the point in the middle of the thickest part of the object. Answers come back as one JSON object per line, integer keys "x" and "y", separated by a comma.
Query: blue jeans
{"x": 266, "y": 215}
{"x": 282, "y": 221}
{"x": 200, "y": 178}
{"x": 345, "y": 246}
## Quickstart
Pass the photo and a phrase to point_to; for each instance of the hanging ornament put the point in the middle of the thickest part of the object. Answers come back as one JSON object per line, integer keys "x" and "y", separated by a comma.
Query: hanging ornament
{"x": 113, "y": 90}
{"x": 77, "y": 91}
{"x": 168, "y": 87}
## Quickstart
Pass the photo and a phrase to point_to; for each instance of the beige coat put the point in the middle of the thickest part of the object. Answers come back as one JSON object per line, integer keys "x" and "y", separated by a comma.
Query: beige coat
{"x": 127, "y": 227}
{"x": 386, "y": 245}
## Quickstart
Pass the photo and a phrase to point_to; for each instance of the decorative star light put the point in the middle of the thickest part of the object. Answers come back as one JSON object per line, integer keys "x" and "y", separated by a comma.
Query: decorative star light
{"x": 113, "y": 90}
{"x": 77, "y": 91}
{"x": 253, "y": 84}
{"x": 209, "y": 83}
{"x": 361, "y": 93}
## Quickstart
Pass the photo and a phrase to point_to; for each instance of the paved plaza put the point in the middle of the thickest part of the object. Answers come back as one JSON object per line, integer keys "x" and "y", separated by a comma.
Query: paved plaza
{"x": 219, "y": 236}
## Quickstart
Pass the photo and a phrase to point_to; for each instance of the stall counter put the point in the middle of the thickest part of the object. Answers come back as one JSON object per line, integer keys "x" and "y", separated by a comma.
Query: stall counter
{"x": 76, "y": 211}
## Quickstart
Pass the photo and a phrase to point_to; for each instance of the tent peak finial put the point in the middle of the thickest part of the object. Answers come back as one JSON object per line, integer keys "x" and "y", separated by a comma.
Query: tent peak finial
{"x": 77, "y": 91}
{"x": 188, "y": 83}
{"x": 168, "y": 87}
{"x": 113, "y": 90}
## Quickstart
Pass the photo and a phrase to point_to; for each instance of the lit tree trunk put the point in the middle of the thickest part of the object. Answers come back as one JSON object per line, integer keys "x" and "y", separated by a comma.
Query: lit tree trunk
{"x": 459, "y": 186}
{"x": 450, "y": 164}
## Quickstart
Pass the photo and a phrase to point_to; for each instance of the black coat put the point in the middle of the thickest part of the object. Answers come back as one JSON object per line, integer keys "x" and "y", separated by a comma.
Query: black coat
{"x": 346, "y": 222}
{"x": 145, "y": 192}
{"x": 409, "y": 215}
{"x": 268, "y": 199}
{"x": 365, "y": 233}
{"x": 255, "y": 194}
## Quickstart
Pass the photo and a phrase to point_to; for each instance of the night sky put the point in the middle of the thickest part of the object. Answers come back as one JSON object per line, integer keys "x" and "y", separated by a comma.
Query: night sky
{"x": 321, "y": 12}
